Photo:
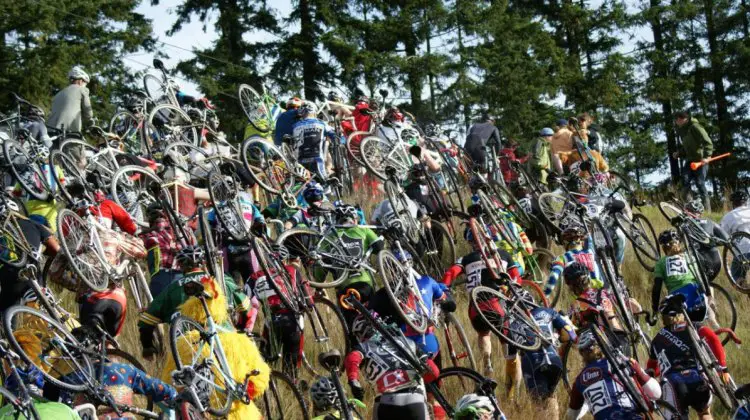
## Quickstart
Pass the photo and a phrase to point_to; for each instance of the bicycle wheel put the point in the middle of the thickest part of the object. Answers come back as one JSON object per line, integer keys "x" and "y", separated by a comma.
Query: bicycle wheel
{"x": 453, "y": 190}
{"x": 620, "y": 367}
{"x": 440, "y": 251}
{"x": 20, "y": 409}
{"x": 353, "y": 143}
{"x": 487, "y": 248}
{"x": 282, "y": 283}
{"x": 58, "y": 355}
{"x": 253, "y": 106}
{"x": 121, "y": 356}
{"x": 65, "y": 173}
{"x": 553, "y": 208}
{"x": 513, "y": 326}
{"x": 724, "y": 311}
{"x": 536, "y": 293}
{"x": 643, "y": 238}
{"x": 736, "y": 261}
{"x": 406, "y": 299}
{"x": 139, "y": 287}
{"x": 158, "y": 91}
{"x": 670, "y": 210}
{"x": 188, "y": 411}
{"x": 82, "y": 252}
{"x": 322, "y": 256}
{"x": 572, "y": 364}
{"x": 226, "y": 207}
{"x": 324, "y": 330}
{"x": 172, "y": 125}
{"x": 455, "y": 382}
{"x": 128, "y": 128}
{"x": 510, "y": 203}
{"x": 457, "y": 343}
{"x": 25, "y": 169}
{"x": 135, "y": 188}
{"x": 282, "y": 400}
{"x": 191, "y": 347}
{"x": 538, "y": 265}
{"x": 403, "y": 211}
{"x": 378, "y": 154}
{"x": 192, "y": 160}
{"x": 14, "y": 248}
{"x": 267, "y": 165}
{"x": 711, "y": 368}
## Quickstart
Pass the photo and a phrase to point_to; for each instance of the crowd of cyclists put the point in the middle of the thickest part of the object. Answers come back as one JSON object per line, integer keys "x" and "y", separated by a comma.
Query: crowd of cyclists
{"x": 321, "y": 268}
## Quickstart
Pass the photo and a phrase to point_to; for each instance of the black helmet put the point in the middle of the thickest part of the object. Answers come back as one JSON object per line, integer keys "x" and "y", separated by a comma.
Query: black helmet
{"x": 668, "y": 236}
{"x": 191, "y": 256}
{"x": 475, "y": 183}
{"x": 308, "y": 108}
{"x": 335, "y": 97}
{"x": 576, "y": 274}
{"x": 695, "y": 207}
{"x": 417, "y": 174}
{"x": 672, "y": 304}
{"x": 739, "y": 198}
{"x": 573, "y": 233}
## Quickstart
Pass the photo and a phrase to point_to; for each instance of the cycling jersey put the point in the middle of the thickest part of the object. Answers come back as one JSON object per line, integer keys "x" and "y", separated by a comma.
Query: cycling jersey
{"x": 109, "y": 214}
{"x": 606, "y": 398}
{"x": 45, "y": 409}
{"x": 588, "y": 304}
{"x": 310, "y": 138}
{"x": 259, "y": 286}
{"x": 674, "y": 272}
{"x": 431, "y": 291}
{"x": 585, "y": 255}
{"x": 383, "y": 213}
{"x": 284, "y": 126}
{"x": 476, "y": 270}
{"x": 480, "y": 136}
{"x": 355, "y": 240}
{"x": 670, "y": 349}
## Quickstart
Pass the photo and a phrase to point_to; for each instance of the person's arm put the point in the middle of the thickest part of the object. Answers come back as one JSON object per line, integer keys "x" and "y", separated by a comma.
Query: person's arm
{"x": 87, "y": 113}
{"x": 656, "y": 290}
{"x": 707, "y": 146}
{"x": 121, "y": 217}
{"x": 451, "y": 273}
{"x": 649, "y": 385}
{"x": 575, "y": 404}
{"x": 555, "y": 272}
{"x": 144, "y": 384}
{"x": 564, "y": 327}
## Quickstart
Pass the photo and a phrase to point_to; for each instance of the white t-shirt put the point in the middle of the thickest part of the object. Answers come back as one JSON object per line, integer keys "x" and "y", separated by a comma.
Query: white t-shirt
{"x": 738, "y": 220}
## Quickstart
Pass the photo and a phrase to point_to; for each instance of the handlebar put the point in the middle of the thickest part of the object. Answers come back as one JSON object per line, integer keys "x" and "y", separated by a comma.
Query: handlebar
{"x": 730, "y": 332}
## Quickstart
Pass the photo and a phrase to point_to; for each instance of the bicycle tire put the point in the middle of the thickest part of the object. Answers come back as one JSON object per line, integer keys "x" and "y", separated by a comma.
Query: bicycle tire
{"x": 553, "y": 208}
{"x": 486, "y": 246}
{"x": 453, "y": 186}
{"x": 188, "y": 411}
{"x": 537, "y": 234}
{"x": 139, "y": 287}
{"x": 253, "y": 106}
{"x": 226, "y": 208}
{"x": 720, "y": 293}
{"x": 127, "y": 127}
{"x": 642, "y": 237}
{"x": 378, "y": 154}
{"x": 275, "y": 271}
{"x": 84, "y": 260}
{"x": 160, "y": 93}
{"x": 512, "y": 205}
{"x": 459, "y": 381}
{"x": 708, "y": 365}
{"x": 394, "y": 277}
{"x": 130, "y": 190}
{"x": 451, "y": 323}
{"x": 271, "y": 169}
{"x": 212, "y": 253}
{"x": 133, "y": 361}
{"x": 355, "y": 150}
{"x": 737, "y": 263}
{"x": 300, "y": 240}
{"x": 196, "y": 337}
{"x": 25, "y": 412}
{"x": 14, "y": 248}
{"x": 567, "y": 377}
{"x": 275, "y": 404}
{"x": 536, "y": 292}
{"x": 23, "y": 167}
{"x": 182, "y": 127}
{"x": 489, "y": 208}
{"x": 66, "y": 170}
{"x": 80, "y": 152}
{"x": 43, "y": 328}
{"x": 482, "y": 294}
{"x": 437, "y": 254}
{"x": 617, "y": 364}
{"x": 669, "y": 210}
{"x": 319, "y": 322}
{"x": 197, "y": 163}
{"x": 400, "y": 208}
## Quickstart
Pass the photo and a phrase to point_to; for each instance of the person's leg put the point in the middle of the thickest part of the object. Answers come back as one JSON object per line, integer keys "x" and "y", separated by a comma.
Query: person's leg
{"x": 687, "y": 177}
{"x": 700, "y": 180}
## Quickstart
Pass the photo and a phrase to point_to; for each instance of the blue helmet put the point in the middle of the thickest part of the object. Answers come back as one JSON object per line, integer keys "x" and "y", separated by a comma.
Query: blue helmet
{"x": 546, "y": 131}
{"x": 313, "y": 192}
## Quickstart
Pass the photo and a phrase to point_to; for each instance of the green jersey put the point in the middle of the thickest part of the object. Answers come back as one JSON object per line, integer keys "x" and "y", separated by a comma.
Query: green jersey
{"x": 675, "y": 272}
{"x": 355, "y": 241}
{"x": 166, "y": 303}
{"x": 46, "y": 410}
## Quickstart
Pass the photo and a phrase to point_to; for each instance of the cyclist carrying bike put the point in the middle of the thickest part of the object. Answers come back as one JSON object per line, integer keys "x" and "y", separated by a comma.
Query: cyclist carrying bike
{"x": 161, "y": 247}
{"x": 166, "y": 304}
{"x": 542, "y": 369}
{"x": 71, "y": 107}
{"x": 673, "y": 271}
{"x": 287, "y": 119}
{"x": 708, "y": 254}
{"x": 578, "y": 248}
{"x": 671, "y": 357}
{"x": 482, "y": 134}
{"x": 315, "y": 197}
{"x": 311, "y": 138}
{"x": 400, "y": 393}
{"x": 599, "y": 388}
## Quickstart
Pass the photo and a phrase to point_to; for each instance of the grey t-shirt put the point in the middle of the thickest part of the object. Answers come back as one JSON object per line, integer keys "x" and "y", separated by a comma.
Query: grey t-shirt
{"x": 71, "y": 107}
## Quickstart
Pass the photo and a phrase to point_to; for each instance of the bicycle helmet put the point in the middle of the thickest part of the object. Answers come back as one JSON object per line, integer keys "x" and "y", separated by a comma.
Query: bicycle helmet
{"x": 323, "y": 393}
{"x": 576, "y": 184}
{"x": 672, "y": 305}
{"x": 8, "y": 204}
{"x": 345, "y": 212}
{"x": 307, "y": 109}
{"x": 470, "y": 406}
{"x": 586, "y": 340}
{"x": 77, "y": 73}
{"x": 293, "y": 103}
{"x": 431, "y": 130}
{"x": 668, "y": 236}
{"x": 576, "y": 275}
{"x": 393, "y": 115}
{"x": 190, "y": 257}
{"x": 335, "y": 97}
{"x": 313, "y": 193}
{"x": 362, "y": 329}
{"x": 739, "y": 198}
{"x": 695, "y": 207}
{"x": 573, "y": 233}
{"x": 363, "y": 98}
{"x": 546, "y": 131}
{"x": 474, "y": 210}
{"x": 281, "y": 251}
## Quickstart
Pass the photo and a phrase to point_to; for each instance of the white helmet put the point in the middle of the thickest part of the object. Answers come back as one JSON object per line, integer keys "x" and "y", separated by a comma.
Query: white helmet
{"x": 77, "y": 73}
{"x": 473, "y": 404}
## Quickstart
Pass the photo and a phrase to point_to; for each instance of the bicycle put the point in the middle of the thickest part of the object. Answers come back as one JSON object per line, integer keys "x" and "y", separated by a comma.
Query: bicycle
{"x": 22, "y": 403}
{"x": 258, "y": 107}
{"x": 161, "y": 91}
{"x": 331, "y": 361}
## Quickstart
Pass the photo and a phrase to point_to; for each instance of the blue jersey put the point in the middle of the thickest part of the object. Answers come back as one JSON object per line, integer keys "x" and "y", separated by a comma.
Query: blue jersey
{"x": 602, "y": 392}
{"x": 310, "y": 137}
{"x": 430, "y": 291}
{"x": 549, "y": 322}
{"x": 284, "y": 126}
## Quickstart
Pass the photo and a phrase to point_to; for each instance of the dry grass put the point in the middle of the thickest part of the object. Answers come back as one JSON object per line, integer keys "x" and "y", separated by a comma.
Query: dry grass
{"x": 518, "y": 406}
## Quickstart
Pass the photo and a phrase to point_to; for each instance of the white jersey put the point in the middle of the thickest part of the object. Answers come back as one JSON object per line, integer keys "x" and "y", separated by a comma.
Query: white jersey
{"x": 738, "y": 220}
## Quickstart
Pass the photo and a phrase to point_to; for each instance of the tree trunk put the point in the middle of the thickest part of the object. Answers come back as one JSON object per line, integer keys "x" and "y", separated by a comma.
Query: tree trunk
{"x": 661, "y": 69}
{"x": 414, "y": 74}
{"x": 308, "y": 42}
{"x": 717, "y": 76}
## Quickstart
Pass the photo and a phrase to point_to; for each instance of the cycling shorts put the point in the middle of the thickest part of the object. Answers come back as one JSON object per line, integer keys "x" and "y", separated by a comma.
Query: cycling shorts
{"x": 694, "y": 300}
{"x": 478, "y": 157}
{"x": 541, "y": 378}
{"x": 287, "y": 329}
{"x": 686, "y": 389}
{"x": 400, "y": 405}
{"x": 492, "y": 305}
{"x": 316, "y": 166}
{"x": 428, "y": 343}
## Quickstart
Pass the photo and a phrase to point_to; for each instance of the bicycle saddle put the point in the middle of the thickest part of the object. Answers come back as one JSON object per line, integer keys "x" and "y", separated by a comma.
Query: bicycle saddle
{"x": 330, "y": 360}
